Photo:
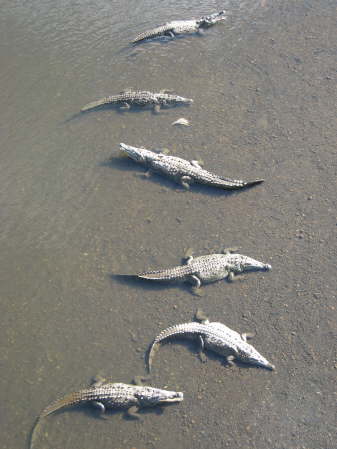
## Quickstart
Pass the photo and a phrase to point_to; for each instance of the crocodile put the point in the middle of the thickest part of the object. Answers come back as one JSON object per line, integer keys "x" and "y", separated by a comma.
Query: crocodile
{"x": 182, "y": 171}
{"x": 103, "y": 395}
{"x": 176, "y": 27}
{"x": 129, "y": 98}
{"x": 216, "y": 337}
{"x": 205, "y": 269}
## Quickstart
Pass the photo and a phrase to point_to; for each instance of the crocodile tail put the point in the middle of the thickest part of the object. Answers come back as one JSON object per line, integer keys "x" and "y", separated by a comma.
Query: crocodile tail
{"x": 185, "y": 330}
{"x": 155, "y": 32}
{"x": 69, "y": 399}
{"x": 97, "y": 103}
{"x": 231, "y": 184}
{"x": 169, "y": 274}
{"x": 153, "y": 349}
{"x": 253, "y": 183}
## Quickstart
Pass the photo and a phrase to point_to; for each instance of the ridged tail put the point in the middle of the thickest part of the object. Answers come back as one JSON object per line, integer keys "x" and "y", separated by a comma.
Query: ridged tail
{"x": 187, "y": 330}
{"x": 229, "y": 184}
{"x": 155, "y": 32}
{"x": 70, "y": 399}
{"x": 97, "y": 103}
{"x": 169, "y": 274}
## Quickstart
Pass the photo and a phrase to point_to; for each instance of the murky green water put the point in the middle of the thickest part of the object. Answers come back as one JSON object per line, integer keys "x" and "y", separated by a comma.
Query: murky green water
{"x": 264, "y": 85}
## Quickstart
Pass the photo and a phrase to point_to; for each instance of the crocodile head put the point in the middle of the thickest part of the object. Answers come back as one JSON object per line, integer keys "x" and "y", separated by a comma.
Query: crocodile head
{"x": 137, "y": 154}
{"x": 152, "y": 396}
{"x": 174, "y": 99}
{"x": 252, "y": 356}
{"x": 240, "y": 264}
{"x": 207, "y": 21}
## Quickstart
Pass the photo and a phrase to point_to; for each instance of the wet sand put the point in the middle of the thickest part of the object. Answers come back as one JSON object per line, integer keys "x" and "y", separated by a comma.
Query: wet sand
{"x": 74, "y": 212}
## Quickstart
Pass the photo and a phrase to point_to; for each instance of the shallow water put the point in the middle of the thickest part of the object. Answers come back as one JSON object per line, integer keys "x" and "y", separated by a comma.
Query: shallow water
{"x": 74, "y": 212}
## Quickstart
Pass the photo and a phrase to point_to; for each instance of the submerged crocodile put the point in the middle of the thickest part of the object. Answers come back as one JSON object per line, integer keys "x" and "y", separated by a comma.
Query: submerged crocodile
{"x": 176, "y": 27}
{"x": 183, "y": 171}
{"x": 217, "y": 338}
{"x": 130, "y": 98}
{"x": 114, "y": 396}
{"x": 205, "y": 269}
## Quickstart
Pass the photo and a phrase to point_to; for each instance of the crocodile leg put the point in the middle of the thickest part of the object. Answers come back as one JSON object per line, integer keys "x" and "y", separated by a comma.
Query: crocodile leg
{"x": 98, "y": 381}
{"x": 132, "y": 412}
{"x": 234, "y": 277}
{"x": 184, "y": 181}
{"x": 196, "y": 164}
{"x": 100, "y": 407}
{"x": 196, "y": 290}
{"x": 124, "y": 106}
{"x": 230, "y": 360}
{"x": 230, "y": 276}
{"x": 201, "y": 316}
{"x": 230, "y": 250}
{"x": 201, "y": 353}
{"x": 188, "y": 260}
{"x": 247, "y": 336}
{"x": 146, "y": 174}
{"x": 195, "y": 281}
{"x": 139, "y": 380}
{"x": 156, "y": 108}
{"x": 188, "y": 256}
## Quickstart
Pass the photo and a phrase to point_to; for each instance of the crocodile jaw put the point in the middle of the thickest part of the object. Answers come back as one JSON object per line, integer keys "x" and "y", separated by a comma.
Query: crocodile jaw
{"x": 254, "y": 265}
{"x": 172, "y": 397}
{"x": 137, "y": 154}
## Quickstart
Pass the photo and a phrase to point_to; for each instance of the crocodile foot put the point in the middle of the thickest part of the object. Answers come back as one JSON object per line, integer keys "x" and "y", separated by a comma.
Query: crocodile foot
{"x": 98, "y": 381}
{"x": 132, "y": 412}
{"x": 201, "y": 353}
{"x": 100, "y": 407}
{"x": 235, "y": 277}
{"x": 231, "y": 250}
{"x": 197, "y": 292}
{"x": 188, "y": 256}
{"x": 185, "y": 181}
{"x": 201, "y": 316}
{"x": 230, "y": 360}
{"x": 247, "y": 336}
{"x": 139, "y": 380}
{"x": 125, "y": 107}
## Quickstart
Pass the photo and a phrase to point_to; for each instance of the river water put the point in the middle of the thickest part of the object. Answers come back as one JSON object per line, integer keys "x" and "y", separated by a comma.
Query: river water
{"x": 74, "y": 213}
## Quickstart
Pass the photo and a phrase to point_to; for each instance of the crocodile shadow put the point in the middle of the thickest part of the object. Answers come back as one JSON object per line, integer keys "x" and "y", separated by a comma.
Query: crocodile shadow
{"x": 110, "y": 107}
{"x": 92, "y": 412}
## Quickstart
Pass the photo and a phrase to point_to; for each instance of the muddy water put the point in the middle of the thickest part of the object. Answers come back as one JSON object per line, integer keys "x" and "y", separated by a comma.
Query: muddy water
{"x": 73, "y": 212}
